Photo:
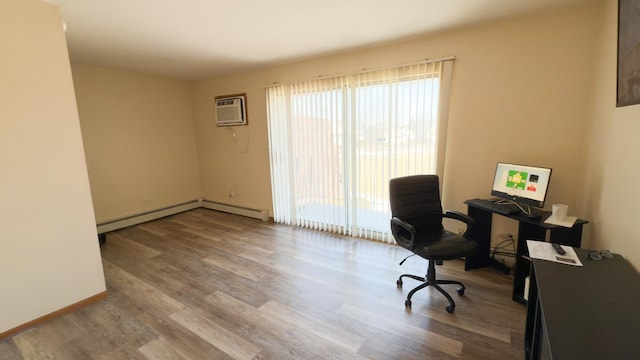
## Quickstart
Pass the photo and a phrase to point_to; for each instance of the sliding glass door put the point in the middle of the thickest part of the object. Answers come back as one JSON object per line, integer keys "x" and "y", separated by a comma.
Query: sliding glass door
{"x": 335, "y": 143}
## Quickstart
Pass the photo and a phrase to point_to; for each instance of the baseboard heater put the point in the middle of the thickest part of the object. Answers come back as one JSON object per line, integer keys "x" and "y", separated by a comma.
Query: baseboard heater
{"x": 261, "y": 214}
{"x": 146, "y": 216}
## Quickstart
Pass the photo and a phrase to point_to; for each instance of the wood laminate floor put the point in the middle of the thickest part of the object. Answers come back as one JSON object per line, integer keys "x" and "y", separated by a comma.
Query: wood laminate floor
{"x": 210, "y": 285}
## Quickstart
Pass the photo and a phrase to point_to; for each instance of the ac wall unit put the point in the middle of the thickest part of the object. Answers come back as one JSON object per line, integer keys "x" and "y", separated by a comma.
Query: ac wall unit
{"x": 231, "y": 110}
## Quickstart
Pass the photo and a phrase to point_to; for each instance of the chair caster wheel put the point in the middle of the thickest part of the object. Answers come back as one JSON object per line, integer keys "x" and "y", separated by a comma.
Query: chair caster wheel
{"x": 399, "y": 283}
{"x": 407, "y": 304}
{"x": 460, "y": 291}
{"x": 450, "y": 308}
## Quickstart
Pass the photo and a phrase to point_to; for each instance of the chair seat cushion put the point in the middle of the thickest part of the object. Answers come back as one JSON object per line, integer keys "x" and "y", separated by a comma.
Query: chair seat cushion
{"x": 448, "y": 246}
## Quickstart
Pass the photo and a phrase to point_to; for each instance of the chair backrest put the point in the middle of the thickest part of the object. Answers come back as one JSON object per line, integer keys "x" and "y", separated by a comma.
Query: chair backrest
{"x": 416, "y": 200}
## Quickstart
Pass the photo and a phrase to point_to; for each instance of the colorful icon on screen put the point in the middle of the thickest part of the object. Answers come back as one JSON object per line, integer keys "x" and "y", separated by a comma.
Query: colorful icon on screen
{"x": 517, "y": 179}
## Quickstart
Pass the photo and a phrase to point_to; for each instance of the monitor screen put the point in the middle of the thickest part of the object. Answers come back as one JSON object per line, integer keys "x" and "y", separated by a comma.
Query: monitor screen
{"x": 520, "y": 183}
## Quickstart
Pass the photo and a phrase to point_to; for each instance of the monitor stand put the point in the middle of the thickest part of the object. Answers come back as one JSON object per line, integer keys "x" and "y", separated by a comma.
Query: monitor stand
{"x": 531, "y": 214}
{"x": 535, "y": 216}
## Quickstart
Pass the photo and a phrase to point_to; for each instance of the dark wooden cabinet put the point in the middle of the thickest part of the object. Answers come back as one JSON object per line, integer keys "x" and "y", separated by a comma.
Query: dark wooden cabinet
{"x": 583, "y": 312}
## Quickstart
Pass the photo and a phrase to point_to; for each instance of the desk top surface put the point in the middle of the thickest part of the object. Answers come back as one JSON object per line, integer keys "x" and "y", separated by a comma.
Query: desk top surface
{"x": 592, "y": 311}
{"x": 481, "y": 204}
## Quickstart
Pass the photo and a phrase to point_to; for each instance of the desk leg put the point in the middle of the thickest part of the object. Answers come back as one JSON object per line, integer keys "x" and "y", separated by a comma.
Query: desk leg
{"x": 534, "y": 321}
{"x": 482, "y": 234}
{"x": 526, "y": 231}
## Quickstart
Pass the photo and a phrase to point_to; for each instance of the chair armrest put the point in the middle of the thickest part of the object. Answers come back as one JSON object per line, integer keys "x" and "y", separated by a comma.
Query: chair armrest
{"x": 403, "y": 232}
{"x": 452, "y": 214}
{"x": 456, "y": 215}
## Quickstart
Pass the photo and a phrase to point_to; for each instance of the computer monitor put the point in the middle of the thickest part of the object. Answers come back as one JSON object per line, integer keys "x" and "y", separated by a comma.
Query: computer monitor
{"x": 521, "y": 184}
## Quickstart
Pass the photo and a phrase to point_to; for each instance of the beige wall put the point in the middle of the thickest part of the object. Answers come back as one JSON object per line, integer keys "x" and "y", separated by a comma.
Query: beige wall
{"x": 139, "y": 141}
{"x": 520, "y": 94}
{"x": 233, "y": 159}
{"x": 49, "y": 257}
{"x": 612, "y": 199}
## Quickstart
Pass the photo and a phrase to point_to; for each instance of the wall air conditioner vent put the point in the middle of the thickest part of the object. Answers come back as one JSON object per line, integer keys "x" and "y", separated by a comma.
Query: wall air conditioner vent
{"x": 231, "y": 110}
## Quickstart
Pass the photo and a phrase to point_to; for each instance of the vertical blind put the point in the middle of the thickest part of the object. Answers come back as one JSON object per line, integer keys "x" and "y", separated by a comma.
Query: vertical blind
{"x": 336, "y": 142}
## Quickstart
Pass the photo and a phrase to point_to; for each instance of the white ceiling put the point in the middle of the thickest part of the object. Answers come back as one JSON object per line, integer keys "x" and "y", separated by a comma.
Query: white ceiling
{"x": 200, "y": 38}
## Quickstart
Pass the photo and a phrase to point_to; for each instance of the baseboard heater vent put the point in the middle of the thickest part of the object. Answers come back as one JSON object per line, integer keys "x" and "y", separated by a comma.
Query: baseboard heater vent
{"x": 261, "y": 214}
{"x": 146, "y": 216}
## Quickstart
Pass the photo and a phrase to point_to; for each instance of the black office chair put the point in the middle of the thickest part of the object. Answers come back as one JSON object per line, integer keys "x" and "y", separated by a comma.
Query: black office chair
{"x": 417, "y": 226}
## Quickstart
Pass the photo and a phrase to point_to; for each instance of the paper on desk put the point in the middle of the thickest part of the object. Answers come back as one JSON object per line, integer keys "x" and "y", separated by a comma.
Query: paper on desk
{"x": 544, "y": 250}
{"x": 568, "y": 221}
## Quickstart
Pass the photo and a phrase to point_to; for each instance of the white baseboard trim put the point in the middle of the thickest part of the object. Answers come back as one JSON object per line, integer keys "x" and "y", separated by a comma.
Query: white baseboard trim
{"x": 261, "y": 214}
{"x": 147, "y": 216}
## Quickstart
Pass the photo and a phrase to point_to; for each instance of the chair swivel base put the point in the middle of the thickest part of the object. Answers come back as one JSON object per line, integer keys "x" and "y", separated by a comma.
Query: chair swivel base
{"x": 428, "y": 281}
